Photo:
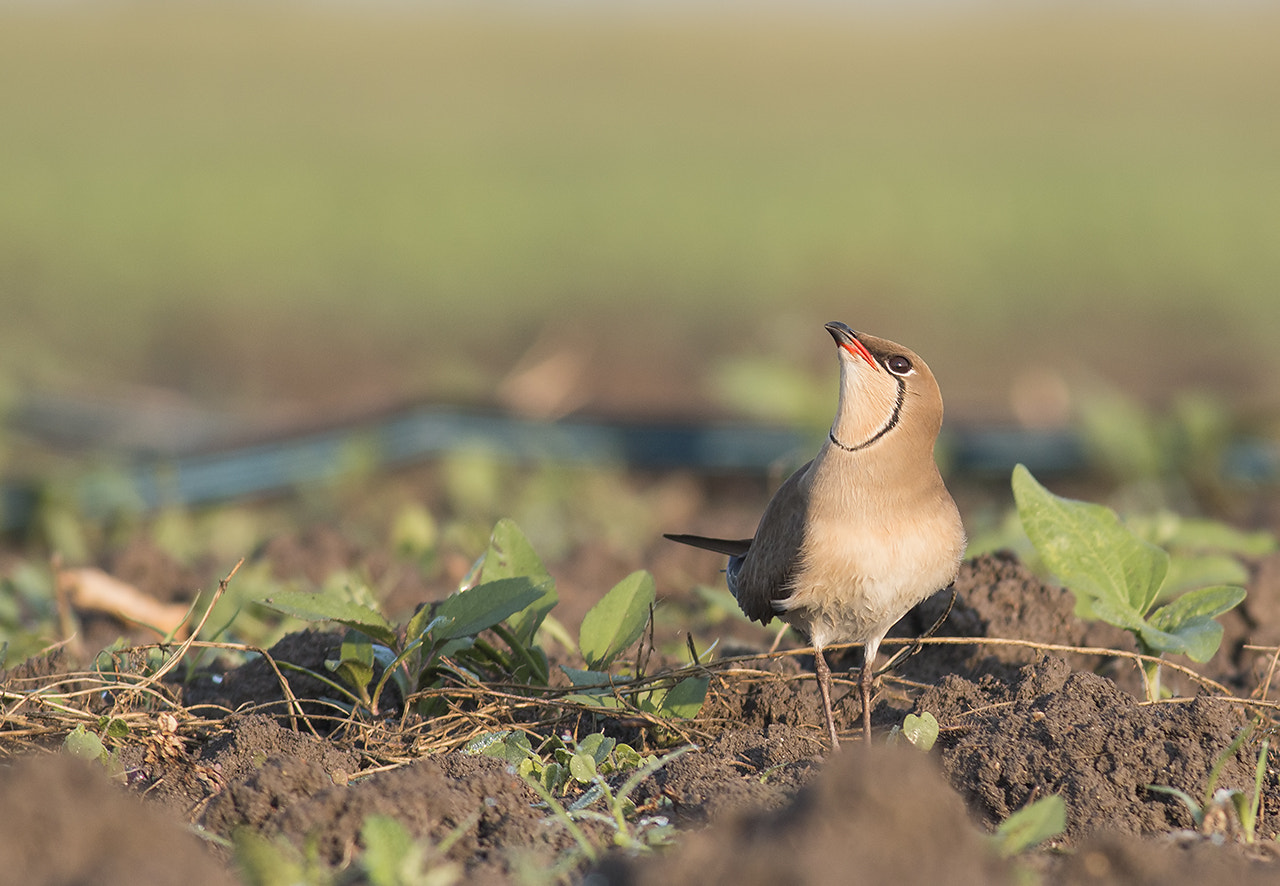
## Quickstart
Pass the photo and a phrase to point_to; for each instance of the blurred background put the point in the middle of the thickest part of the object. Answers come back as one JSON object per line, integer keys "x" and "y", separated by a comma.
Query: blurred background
{"x": 327, "y": 207}
{"x": 228, "y": 222}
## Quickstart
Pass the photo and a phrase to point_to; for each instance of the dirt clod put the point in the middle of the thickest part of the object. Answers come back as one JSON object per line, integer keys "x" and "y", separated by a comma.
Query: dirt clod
{"x": 880, "y": 817}
{"x": 1076, "y": 734}
{"x": 64, "y": 822}
{"x": 761, "y": 800}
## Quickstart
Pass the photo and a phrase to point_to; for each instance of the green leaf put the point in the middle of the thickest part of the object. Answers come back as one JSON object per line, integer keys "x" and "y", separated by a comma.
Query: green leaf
{"x": 113, "y": 727}
{"x": 627, "y": 757}
{"x": 597, "y": 688}
{"x": 354, "y": 663}
{"x": 490, "y": 744}
{"x": 1207, "y": 602}
{"x": 510, "y": 555}
{"x": 1031, "y": 825}
{"x": 479, "y": 608}
{"x": 1190, "y": 619}
{"x": 424, "y": 621}
{"x": 598, "y": 745}
{"x": 327, "y": 607}
{"x": 617, "y": 620}
{"x": 921, "y": 731}
{"x": 265, "y": 862}
{"x": 554, "y": 776}
{"x": 389, "y": 850}
{"x": 508, "y": 745}
{"x": 1088, "y": 548}
{"x": 1118, "y": 613}
{"x": 1196, "y": 810}
{"x": 594, "y": 700}
{"x": 1197, "y": 637}
{"x": 586, "y": 678}
{"x": 685, "y": 698}
{"x": 1153, "y": 641}
{"x": 582, "y": 767}
{"x": 356, "y": 648}
{"x": 84, "y": 744}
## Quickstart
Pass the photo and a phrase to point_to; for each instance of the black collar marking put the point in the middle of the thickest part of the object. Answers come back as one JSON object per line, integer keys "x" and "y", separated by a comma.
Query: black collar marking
{"x": 886, "y": 428}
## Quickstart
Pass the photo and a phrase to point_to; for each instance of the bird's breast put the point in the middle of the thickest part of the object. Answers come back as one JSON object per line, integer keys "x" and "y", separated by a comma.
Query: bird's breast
{"x": 858, "y": 577}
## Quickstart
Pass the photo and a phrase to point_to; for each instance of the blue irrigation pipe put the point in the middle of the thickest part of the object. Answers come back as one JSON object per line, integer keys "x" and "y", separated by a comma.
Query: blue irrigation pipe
{"x": 145, "y": 482}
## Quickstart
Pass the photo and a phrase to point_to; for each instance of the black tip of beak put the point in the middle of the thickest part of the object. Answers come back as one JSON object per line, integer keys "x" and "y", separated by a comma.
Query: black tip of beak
{"x": 840, "y": 332}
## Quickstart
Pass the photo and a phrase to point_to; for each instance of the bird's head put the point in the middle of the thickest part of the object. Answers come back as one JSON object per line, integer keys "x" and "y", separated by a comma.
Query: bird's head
{"x": 887, "y": 393}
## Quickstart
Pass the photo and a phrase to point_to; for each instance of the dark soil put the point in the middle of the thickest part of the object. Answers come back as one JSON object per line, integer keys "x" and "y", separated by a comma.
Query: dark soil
{"x": 760, "y": 801}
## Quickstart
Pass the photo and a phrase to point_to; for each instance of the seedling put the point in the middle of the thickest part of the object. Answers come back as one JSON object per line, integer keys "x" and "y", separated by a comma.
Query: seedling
{"x": 393, "y": 858}
{"x": 92, "y": 745}
{"x": 587, "y": 764}
{"x": 1220, "y": 802}
{"x": 1117, "y": 576}
{"x": 921, "y": 731}
{"x": 275, "y": 861}
{"x": 505, "y": 602}
{"x": 1031, "y": 825}
{"x": 559, "y": 764}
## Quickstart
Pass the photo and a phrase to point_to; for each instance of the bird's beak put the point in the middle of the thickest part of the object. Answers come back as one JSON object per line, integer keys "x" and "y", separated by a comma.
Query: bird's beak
{"x": 848, "y": 339}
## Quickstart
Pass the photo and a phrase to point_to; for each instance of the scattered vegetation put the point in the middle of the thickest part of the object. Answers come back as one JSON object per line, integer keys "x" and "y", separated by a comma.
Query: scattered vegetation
{"x": 1118, "y": 576}
{"x": 1031, "y": 825}
{"x": 96, "y": 744}
{"x": 390, "y": 857}
{"x": 508, "y": 598}
{"x": 1212, "y": 814}
{"x": 920, "y": 730}
{"x": 589, "y": 767}
{"x": 495, "y": 655}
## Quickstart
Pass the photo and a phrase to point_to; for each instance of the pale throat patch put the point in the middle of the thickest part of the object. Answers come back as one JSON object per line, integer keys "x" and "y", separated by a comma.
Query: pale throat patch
{"x": 870, "y": 403}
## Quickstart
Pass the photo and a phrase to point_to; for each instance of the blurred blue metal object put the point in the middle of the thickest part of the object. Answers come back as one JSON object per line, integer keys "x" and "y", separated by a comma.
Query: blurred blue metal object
{"x": 170, "y": 473}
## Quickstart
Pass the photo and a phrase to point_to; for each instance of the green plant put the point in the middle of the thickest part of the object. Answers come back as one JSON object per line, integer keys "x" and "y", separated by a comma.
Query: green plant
{"x": 1117, "y": 576}
{"x": 612, "y": 625}
{"x": 391, "y": 857}
{"x": 588, "y": 766}
{"x": 1226, "y": 800}
{"x": 93, "y": 744}
{"x": 1159, "y": 458}
{"x": 491, "y": 630}
{"x": 28, "y": 610}
{"x": 558, "y": 764}
{"x": 921, "y": 731}
{"x": 277, "y": 862}
{"x": 1031, "y": 825}
{"x": 1201, "y": 551}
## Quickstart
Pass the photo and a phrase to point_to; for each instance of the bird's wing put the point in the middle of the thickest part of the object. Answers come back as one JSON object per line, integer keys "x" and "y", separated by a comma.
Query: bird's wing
{"x": 766, "y": 575}
{"x": 730, "y": 547}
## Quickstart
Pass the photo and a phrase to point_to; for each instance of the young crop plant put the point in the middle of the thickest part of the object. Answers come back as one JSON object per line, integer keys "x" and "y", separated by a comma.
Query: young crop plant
{"x": 1118, "y": 577}
{"x": 919, "y": 730}
{"x": 493, "y": 630}
{"x": 89, "y": 744}
{"x": 587, "y": 769}
{"x": 1031, "y": 825}
{"x": 1215, "y": 809}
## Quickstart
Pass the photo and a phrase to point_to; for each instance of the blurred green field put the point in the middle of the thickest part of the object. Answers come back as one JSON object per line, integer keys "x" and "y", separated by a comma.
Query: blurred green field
{"x": 190, "y": 192}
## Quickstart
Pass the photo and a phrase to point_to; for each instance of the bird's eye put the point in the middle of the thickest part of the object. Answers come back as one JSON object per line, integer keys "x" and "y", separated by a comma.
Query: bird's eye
{"x": 899, "y": 365}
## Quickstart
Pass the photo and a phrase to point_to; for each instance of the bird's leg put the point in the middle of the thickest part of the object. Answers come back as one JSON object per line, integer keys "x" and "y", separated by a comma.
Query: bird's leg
{"x": 824, "y": 688}
{"x": 865, "y": 679}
